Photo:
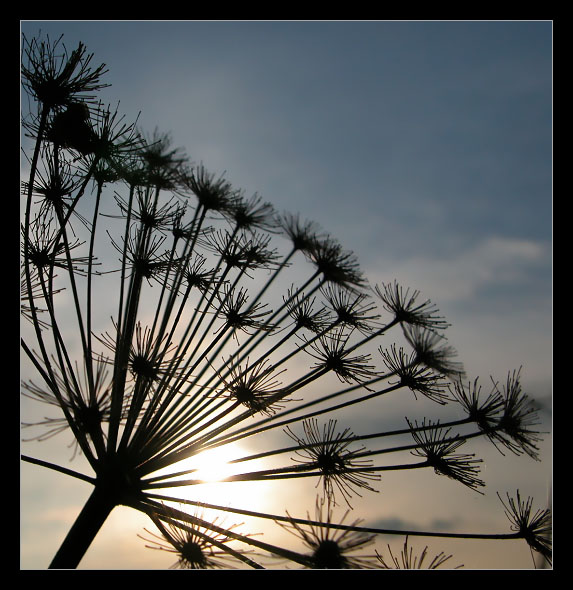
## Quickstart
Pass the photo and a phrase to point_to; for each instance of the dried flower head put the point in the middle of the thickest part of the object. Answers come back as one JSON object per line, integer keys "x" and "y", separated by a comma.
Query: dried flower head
{"x": 405, "y": 309}
{"x": 534, "y": 528}
{"x": 329, "y": 452}
{"x": 44, "y": 249}
{"x": 144, "y": 260}
{"x": 518, "y": 415}
{"x": 302, "y": 235}
{"x": 163, "y": 165}
{"x": 72, "y": 129}
{"x": 257, "y": 254}
{"x": 58, "y": 79}
{"x": 236, "y": 251}
{"x": 413, "y": 375}
{"x": 147, "y": 213}
{"x": 300, "y": 308}
{"x": 439, "y": 452}
{"x": 331, "y": 548}
{"x": 83, "y": 395}
{"x": 255, "y": 387}
{"x": 150, "y": 358}
{"x": 196, "y": 276}
{"x": 195, "y": 546}
{"x": 189, "y": 244}
{"x": 332, "y": 355}
{"x": 213, "y": 194}
{"x": 54, "y": 185}
{"x": 409, "y": 561}
{"x": 253, "y": 213}
{"x": 335, "y": 265}
{"x": 431, "y": 350}
{"x": 116, "y": 143}
{"x": 484, "y": 412}
{"x": 351, "y": 309}
{"x": 238, "y": 315}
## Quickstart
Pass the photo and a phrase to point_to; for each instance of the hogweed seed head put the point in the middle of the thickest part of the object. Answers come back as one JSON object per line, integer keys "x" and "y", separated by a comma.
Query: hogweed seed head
{"x": 516, "y": 417}
{"x": 415, "y": 376}
{"x": 146, "y": 258}
{"x": 239, "y": 316}
{"x": 54, "y": 185}
{"x": 335, "y": 265}
{"x": 196, "y": 276}
{"x": 58, "y": 79}
{"x": 85, "y": 395}
{"x": 215, "y": 195}
{"x": 484, "y": 412}
{"x": 432, "y": 350}
{"x": 329, "y": 452}
{"x": 332, "y": 354}
{"x": 45, "y": 250}
{"x": 439, "y": 451}
{"x": 163, "y": 166}
{"x": 196, "y": 548}
{"x": 302, "y": 234}
{"x": 351, "y": 309}
{"x": 255, "y": 387}
{"x": 300, "y": 309}
{"x": 253, "y": 214}
{"x": 534, "y": 528}
{"x": 145, "y": 211}
{"x": 330, "y": 548}
{"x": 409, "y": 561}
{"x": 404, "y": 308}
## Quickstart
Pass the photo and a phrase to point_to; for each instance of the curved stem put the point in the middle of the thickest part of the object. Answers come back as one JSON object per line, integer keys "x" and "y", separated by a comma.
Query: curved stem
{"x": 27, "y": 223}
{"x": 55, "y": 467}
{"x": 275, "y": 517}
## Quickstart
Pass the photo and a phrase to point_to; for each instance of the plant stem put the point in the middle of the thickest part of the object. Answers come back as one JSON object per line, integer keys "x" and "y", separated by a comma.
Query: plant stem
{"x": 340, "y": 526}
{"x": 84, "y": 530}
{"x": 64, "y": 470}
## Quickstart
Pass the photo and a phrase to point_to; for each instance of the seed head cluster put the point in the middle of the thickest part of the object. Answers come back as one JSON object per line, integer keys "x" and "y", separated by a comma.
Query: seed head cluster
{"x": 168, "y": 314}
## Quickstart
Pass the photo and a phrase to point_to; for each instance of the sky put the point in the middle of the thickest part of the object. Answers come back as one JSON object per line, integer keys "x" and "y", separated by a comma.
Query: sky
{"x": 425, "y": 147}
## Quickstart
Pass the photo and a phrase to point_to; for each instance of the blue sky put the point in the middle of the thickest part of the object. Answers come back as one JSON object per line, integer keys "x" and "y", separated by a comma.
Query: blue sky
{"x": 424, "y": 147}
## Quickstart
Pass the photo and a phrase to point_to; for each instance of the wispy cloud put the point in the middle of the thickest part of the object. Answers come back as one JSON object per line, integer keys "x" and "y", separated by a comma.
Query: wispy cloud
{"x": 464, "y": 274}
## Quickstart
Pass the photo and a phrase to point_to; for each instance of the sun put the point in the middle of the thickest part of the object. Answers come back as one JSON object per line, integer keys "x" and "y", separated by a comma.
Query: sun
{"x": 212, "y": 467}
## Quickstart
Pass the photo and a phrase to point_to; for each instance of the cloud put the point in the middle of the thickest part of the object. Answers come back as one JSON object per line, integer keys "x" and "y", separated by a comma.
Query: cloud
{"x": 496, "y": 294}
{"x": 465, "y": 273}
{"x": 393, "y": 523}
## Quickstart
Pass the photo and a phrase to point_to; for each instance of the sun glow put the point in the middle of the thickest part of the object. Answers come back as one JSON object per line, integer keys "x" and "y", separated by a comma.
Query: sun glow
{"x": 213, "y": 465}
{"x": 209, "y": 470}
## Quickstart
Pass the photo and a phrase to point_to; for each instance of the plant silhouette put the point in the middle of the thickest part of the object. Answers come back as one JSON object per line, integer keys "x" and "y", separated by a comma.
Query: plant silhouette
{"x": 229, "y": 321}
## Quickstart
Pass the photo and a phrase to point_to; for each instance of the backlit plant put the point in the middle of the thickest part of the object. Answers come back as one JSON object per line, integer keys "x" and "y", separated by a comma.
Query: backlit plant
{"x": 228, "y": 321}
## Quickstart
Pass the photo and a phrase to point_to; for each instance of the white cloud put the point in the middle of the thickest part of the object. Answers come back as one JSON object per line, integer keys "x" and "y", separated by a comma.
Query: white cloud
{"x": 494, "y": 261}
